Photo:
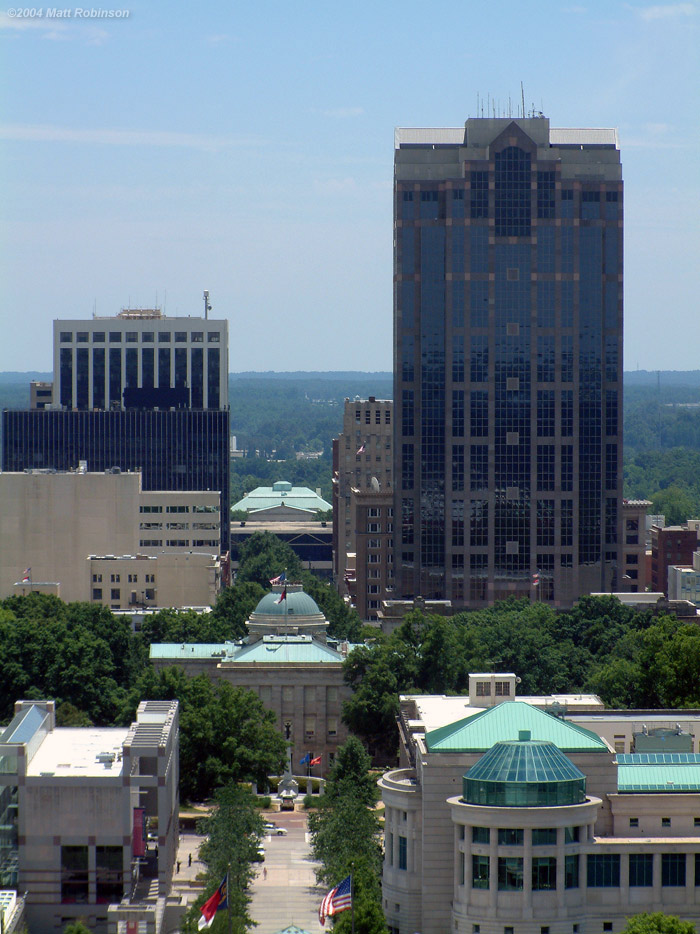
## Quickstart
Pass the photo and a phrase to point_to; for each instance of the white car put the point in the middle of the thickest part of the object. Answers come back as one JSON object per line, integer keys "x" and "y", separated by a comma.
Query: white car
{"x": 278, "y": 831}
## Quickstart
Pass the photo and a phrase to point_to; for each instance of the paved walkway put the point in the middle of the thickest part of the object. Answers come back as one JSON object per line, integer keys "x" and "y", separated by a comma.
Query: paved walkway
{"x": 284, "y": 890}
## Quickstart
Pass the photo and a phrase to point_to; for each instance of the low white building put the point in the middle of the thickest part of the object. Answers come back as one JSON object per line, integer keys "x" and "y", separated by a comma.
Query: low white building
{"x": 518, "y": 816}
{"x": 89, "y": 817}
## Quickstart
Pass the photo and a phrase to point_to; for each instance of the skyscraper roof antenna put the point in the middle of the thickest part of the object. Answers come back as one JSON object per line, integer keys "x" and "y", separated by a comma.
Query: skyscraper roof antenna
{"x": 522, "y": 98}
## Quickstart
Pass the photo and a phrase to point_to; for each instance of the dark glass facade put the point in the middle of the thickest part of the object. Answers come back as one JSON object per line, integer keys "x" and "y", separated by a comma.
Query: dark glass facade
{"x": 508, "y": 362}
{"x": 178, "y": 449}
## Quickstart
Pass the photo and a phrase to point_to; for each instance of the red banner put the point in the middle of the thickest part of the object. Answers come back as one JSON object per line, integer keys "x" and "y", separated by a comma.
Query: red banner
{"x": 138, "y": 845}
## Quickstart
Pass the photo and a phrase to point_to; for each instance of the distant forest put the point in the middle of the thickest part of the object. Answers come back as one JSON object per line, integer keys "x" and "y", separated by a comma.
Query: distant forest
{"x": 275, "y": 416}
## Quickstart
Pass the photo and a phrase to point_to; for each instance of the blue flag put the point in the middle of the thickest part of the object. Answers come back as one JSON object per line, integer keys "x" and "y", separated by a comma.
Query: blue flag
{"x": 307, "y": 758}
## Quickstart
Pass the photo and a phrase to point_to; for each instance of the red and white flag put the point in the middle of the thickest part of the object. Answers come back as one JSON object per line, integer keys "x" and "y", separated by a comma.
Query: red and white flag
{"x": 338, "y": 899}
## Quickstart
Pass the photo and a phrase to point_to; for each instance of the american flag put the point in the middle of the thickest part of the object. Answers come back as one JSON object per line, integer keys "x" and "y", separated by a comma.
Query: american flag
{"x": 338, "y": 899}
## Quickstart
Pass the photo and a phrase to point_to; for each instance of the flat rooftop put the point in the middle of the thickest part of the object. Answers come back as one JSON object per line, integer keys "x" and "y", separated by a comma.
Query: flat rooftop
{"x": 73, "y": 751}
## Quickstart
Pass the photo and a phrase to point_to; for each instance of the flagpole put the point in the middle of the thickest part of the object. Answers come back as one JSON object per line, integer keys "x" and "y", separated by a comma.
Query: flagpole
{"x": 352, "y": 907}
{"x": 228, "y": 897}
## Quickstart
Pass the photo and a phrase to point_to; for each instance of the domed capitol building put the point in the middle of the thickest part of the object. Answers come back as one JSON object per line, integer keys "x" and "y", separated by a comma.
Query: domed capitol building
{"x": 291, "y": 664}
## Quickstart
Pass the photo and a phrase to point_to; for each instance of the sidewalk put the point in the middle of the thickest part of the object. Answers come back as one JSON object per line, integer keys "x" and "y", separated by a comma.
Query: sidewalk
{"x": 284, "y": 891}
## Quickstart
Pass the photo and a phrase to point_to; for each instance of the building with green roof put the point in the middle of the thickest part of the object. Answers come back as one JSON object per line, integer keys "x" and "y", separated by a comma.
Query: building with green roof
{"x": 288, "y": 661}
{"x": 282, "y": 502}
{"x": 506, "y": 816}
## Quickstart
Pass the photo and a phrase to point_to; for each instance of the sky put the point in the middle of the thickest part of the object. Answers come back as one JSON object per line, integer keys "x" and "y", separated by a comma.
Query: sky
{"x": 247, "y": 148}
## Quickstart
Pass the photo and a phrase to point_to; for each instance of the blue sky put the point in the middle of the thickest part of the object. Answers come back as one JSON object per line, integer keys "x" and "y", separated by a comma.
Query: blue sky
{"x": 247, "y": 148}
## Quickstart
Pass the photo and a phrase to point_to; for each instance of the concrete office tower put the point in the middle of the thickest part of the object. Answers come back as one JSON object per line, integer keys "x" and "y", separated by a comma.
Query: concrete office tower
{"x": 141, "y": 359}
{"x": 507, "y": 361}
{"x": 137, "y": 391}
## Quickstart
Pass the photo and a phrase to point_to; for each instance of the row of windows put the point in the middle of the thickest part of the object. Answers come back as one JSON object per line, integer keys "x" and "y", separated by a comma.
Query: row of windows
{"x": 132, "y": 337}
{"x": 182, "y": 526}
{"x": 602, "y": 871}
{"x": 115, "y": 594}
{"x": 377, "y": 416}
{"x": 132, "y": 578}
{"x": 510, "y": 836}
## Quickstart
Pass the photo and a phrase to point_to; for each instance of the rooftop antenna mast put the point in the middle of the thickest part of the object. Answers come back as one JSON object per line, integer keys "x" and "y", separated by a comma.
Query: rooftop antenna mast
{"x": 207, "y": 306}
{"x": 522, "y": 98}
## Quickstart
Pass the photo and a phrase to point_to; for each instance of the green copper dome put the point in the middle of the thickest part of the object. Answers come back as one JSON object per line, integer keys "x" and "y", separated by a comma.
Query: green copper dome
{"x": 524, "y": 773}
{"x": 295, "y": 605}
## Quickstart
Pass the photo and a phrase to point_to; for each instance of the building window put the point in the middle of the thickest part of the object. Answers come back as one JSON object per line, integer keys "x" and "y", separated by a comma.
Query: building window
{"x": 510, "y": 873}
{"x": 115, "y": 578}
{"x": 508, "y": 836}
{"x": 109, "y": 865}
{"x": 480, "y": 872}
{"x": 74, "y": 874}
{"x": 665, "y": 821}
{"x": 603, "y": 870}
{"x": 544, "y": 836}
{"x": 403, "y": 852}
{"x": 571, "y": 871}
{"x": 607, "y": 925}
{"x": 97, "y": 578}
{"x": 96, "y": 593}
{"x": 502, "y": 688}
{"x": 462, "y": 867}
{"x": 571, "y": 834}
{"x": 115, "y": 593}
{"x": 483, "y": 689}
{"x": 481, "y": 835}
{"x": 641, "y": 867}
{"x": 634, "y": 821}
{"x": 544, "y": 873}
{"x": 673, "y": 869}
{"x": 461, "y": 831}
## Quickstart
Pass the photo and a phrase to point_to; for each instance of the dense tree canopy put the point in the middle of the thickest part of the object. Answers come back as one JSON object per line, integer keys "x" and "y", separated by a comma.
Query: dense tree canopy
{"x": 630, "y": 659}
{"x": 226, "y": 735}
{"x": 657, "y": 923}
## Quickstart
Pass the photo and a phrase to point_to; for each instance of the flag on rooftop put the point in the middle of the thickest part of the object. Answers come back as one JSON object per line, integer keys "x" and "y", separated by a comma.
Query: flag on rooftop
{"x": 536, "y": 579}
{"x": 26, "y": 576}
{"x": 210, "y": 907}
{"x": 282, "y": 596}
{"x": 280, "y": 579}
{"x": 307, "y": 758}
{"x": 361, "y": 449}
{"x": 338, "y": 899}
{"x": 316, "y": 761}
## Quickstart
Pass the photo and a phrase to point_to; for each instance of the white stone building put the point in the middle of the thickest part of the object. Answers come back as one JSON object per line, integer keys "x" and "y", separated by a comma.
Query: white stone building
{"x": 509, "y": 816}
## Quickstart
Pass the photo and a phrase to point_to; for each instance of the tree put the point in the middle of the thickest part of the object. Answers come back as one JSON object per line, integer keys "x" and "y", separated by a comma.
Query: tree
{"x": 657, "y": 923}
{"x": 234, "y": 831}
{"x": 372, "y": 710}
{"x": 226, "y": 734}
{"x": 265, "y": 556}
{"x": 235, "y": 604}
{"x": 351, "y": 766}
{"x": 345, "y": 835}
{"x": 76, "y": 927}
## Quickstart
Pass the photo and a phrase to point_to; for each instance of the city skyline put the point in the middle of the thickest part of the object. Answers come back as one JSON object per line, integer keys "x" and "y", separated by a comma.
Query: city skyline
{"x": 249, "y": 152}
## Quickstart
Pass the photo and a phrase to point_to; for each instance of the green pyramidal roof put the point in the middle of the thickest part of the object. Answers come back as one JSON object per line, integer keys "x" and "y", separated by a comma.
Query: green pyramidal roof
{"x": 505, "y": 722}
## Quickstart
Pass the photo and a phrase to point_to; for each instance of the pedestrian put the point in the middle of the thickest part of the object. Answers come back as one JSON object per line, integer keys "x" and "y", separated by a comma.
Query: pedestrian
{"x": 189, "y": 860}
{"x": 178, "y": 867}
{"x": 264, "y": 872}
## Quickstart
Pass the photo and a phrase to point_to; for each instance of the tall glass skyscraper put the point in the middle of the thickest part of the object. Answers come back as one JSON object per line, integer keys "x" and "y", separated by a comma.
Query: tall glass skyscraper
{"x": 507, "y": 361}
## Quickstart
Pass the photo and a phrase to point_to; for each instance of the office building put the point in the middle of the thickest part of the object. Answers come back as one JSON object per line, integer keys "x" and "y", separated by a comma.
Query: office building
{"x": 99, "y": 537}
{"x": 89, "y": 815}
{"x": 673, "y": 545}
{"x": 140, "y": 359}
{"x": 507, "y": 361}
{"x": 362, "y": 471}
{"x": 138, "y": 391}
{"x": 539, "y": 814}
{"x": 175, "y": 450}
